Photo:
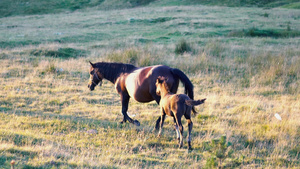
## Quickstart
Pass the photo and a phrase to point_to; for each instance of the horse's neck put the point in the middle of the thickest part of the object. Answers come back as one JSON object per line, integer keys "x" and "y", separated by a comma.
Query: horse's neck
{"x": 110, "y": 76}
{"x": 111, "y": 72}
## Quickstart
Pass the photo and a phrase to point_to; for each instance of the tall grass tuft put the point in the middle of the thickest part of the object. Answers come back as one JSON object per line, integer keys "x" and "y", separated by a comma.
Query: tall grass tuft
{"x": 63, "y": 53}
{"x": 137, "y": 57}
{"x": 182, "y": 47}
{"x": 125, "y": 56}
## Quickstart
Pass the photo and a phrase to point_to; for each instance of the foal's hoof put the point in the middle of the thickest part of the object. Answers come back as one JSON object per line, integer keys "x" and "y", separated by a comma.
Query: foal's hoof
{"x": 157, "y": 128}
{"x": 137, "y": 123}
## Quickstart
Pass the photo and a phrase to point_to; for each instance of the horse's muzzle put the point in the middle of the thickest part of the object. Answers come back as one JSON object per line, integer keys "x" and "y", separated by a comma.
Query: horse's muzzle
{"x": 91, "y": 87}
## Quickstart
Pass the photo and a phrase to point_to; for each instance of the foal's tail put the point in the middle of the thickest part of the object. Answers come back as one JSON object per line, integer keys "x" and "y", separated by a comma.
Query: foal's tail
{"x": 188, "y": 86}
{"x": 194, "y": 102}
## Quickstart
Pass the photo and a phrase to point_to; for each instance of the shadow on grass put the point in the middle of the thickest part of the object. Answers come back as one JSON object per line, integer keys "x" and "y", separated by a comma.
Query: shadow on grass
{"x": 20, "y": 140}
{"x": 21, "y": 163}
{"x": 167, "y": 141}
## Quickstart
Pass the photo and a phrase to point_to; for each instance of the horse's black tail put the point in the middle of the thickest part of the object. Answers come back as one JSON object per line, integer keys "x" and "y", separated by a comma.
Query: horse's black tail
{"x": 188, "y": 86}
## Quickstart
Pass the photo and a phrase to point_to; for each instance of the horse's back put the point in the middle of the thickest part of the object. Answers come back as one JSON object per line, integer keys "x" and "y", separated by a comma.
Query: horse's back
{"x": 140, "y": 83}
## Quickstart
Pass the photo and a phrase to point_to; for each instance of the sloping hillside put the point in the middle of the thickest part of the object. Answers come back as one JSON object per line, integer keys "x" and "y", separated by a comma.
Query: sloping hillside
{"x": 32, "y": 7}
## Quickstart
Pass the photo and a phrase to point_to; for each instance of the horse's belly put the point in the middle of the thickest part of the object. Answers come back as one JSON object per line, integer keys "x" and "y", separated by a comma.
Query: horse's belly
{"x": 137, "y": 90}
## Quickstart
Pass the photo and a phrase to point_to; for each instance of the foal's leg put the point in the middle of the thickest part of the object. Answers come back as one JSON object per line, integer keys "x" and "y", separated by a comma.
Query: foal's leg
{"x": 163, "y": 116}
{"x": 158, "y": 123}
{"x": 157, "y": 99}
{"x": 177, "y": 129}
{"x": 178, "y": 119}
{"x": 190, "y": 126}
{"x": 189, "y": 139}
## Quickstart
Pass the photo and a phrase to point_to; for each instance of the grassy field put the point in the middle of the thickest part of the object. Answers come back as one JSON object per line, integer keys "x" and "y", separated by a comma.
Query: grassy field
{"x": 244, "y": 60}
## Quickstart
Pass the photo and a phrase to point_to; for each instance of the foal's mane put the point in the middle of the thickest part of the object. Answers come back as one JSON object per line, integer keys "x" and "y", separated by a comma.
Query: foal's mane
{"x": 163, "y": 81}
{"x": 112, "y": 70}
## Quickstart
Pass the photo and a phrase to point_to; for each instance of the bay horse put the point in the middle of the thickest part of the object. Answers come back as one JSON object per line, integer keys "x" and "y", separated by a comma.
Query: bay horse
{"x": 176, "y": 106}
{"x": 137, "y": 82}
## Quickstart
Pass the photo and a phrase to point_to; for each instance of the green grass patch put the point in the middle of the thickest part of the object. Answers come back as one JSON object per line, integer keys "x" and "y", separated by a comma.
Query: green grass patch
{"x": 13, "y": 44}
{"x": 295, "y": 5}
{"x": 229, "y": 3}
{"x": 273, "y": 33}
{"x": 89, "y": 37}
{"x": 150, "y": 21}
{"x": 32, "y": 7}
{"x": 63, "y": 53}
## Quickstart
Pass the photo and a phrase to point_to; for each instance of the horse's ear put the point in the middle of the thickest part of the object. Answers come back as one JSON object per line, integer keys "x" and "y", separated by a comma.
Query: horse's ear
{"x": 92, "y": 64}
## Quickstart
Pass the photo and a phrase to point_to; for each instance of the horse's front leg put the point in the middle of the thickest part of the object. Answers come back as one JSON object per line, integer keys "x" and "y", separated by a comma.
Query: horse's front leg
{"x": 125, "y": 101}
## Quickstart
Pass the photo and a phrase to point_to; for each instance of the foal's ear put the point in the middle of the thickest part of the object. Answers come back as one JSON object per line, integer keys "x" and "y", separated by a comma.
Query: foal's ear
{"x": 158, "y": 80}
{"x": 93, "y": 65}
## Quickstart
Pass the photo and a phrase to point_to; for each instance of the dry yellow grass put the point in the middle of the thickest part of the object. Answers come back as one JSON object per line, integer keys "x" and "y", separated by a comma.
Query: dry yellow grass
{"x": 49, "y": 118}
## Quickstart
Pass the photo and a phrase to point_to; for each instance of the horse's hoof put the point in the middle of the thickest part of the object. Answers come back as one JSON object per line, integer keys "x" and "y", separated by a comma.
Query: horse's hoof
{"x": 137, "y": 123}
{"x": 190, "y": 146}
{"x": 121, "y": 122}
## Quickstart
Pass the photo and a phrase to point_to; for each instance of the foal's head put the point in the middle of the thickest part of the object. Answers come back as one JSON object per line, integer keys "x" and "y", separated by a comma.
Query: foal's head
{"x": 95, "y": 77}
{"x": 161, "y": 85}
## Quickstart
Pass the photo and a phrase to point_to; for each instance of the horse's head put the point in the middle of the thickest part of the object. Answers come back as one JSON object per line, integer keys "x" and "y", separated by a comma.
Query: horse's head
{"x": 161, "y": 85}
{"x": 95, "y": 77}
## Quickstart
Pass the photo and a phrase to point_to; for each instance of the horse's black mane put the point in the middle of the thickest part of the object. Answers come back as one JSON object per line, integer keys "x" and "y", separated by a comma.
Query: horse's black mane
{"x": 111, "y": 70}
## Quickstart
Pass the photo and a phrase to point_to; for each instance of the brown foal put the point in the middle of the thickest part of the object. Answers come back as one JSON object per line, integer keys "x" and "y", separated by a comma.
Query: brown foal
{"x": 175, "y": 105}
